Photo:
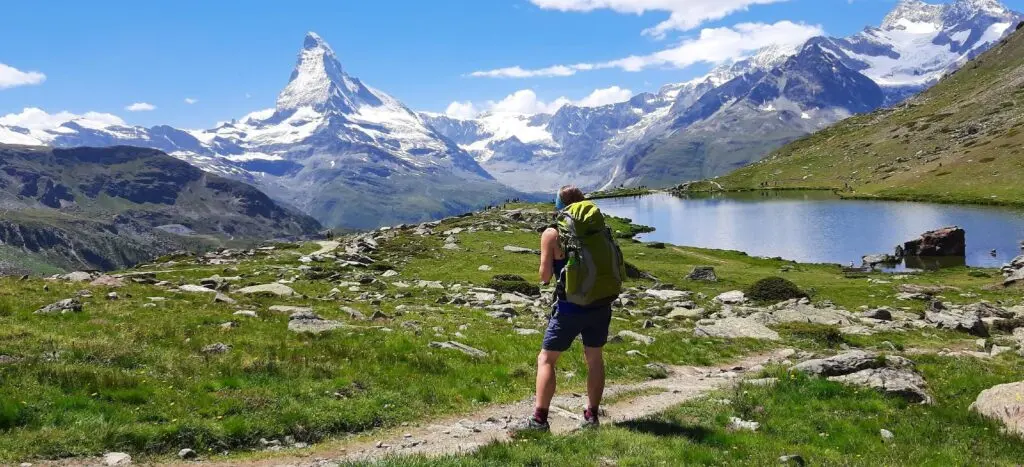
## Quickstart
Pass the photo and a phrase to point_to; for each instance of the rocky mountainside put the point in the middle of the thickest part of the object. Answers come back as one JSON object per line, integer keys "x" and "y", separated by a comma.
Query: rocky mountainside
{"x": 347, "y": 154}
{"x": 693, "y": 130}
{"x": 112, "y": 207}
{"x": 959, "y": 141}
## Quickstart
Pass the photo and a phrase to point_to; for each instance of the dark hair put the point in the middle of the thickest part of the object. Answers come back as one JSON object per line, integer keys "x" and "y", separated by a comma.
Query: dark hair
{"x": 570, "y": 194}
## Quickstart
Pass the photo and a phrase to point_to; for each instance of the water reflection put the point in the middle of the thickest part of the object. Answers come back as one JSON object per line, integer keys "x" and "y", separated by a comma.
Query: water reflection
{"x": 817, "y": 226}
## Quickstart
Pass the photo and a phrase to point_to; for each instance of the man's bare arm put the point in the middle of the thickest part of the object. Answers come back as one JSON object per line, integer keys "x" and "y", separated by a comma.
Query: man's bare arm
{"x": 548, "y": 243}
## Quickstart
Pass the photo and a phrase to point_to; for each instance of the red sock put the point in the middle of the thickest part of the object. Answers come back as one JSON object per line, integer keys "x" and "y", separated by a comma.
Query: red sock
{"x": 591, "y": 412}
{"x": 540, "y": 415}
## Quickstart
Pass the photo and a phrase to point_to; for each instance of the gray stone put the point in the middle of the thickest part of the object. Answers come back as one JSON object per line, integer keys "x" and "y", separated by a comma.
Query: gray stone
{"x": 520, "y": 250}
{"x": 763, "y": 382}
{"x": 894, "y": 381}
{"x": 525, "y": 332}
{"x": 68, "y": 305}
{"x": 883, "y": 314}
{"x": 192, "y": 288}
{"x": 116, "y": 459}
{"x": 886, "y": 435}
{"x": 353, "y": 313}
{"x": 1014, "y": 277}
{"x": 218, "y": 348}
{"x": 453, "y": 345}
{"x": 1004, "y": 403}
{"x": 187, "y": 454}
{"x": 279, "y": 290}
{"x": 313, "y": 326}
{"x": 703, "y": 273}
{"x": 484, "y": 267}
{"x": 667, "y": 295}
{"x": 221, "y": 298}
{"x": 739, "y": 424}
{"x": 793, "y": 459}
{"x": 77, "y": 276}
{"x": 735, "y": 328}
{"x": 290, "y": 309}
{"x": 389, "y": 273}
{"x": 841, "y": 364}
{"x": 246, "y": 313}
{"x": 636, "y": 337}
{"x": 968, "y": 322}
{"x": 686, "y": 313}
{"x": 112, "y": 296}
{"x": 734, "y": 297}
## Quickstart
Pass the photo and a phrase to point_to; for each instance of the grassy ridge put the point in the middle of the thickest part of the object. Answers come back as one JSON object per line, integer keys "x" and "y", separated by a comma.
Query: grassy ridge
{"x": 958, "y": 142}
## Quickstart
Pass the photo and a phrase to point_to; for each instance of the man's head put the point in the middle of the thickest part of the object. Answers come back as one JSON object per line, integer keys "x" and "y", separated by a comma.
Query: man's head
{"x": 567, "y": 195}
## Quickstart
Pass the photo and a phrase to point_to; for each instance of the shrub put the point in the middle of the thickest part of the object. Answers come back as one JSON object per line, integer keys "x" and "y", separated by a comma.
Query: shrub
{"x": 522, "y": 287}
{"x": 774, "y": 290}
{"x": 508, "y": 278}
{"x": 821, "y": 335}
{"x": 979, "y": 274}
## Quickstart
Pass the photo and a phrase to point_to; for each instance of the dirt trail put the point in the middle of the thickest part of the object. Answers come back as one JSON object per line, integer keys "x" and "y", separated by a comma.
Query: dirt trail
{"x": 326, "y": 246}
{"x": 464, "y": 434}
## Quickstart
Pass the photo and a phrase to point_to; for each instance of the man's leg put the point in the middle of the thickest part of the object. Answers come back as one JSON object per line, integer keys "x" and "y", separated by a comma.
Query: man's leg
{"x": 595, "y": 376}
{"x": 545, "y": 382}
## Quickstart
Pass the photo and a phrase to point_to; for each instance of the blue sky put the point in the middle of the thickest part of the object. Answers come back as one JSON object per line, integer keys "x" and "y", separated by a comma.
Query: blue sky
{"x": 234, "y": 57}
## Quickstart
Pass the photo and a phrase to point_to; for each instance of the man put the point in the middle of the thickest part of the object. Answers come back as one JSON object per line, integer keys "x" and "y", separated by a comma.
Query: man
{"x": 576, "y": 312}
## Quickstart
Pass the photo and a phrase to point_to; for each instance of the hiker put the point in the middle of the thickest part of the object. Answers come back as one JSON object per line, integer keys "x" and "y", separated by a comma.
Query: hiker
{"x": 580, "y": 254}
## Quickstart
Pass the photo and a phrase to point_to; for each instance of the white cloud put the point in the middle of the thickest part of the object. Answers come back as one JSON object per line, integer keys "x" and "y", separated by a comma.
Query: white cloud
{"x": 38, "y": 119}
{"x": 605, "y": 96}
{"x": 140, "y": 107}
{"x": 525, "y": 101}
{"x": 683, "y": 14}
{"x": 461, "y": 110}
{"x": 11, "y": 77}
{"x": 519, "y": 72}
{"x": 190, "y": 100}
{"x": 712, "y": 45}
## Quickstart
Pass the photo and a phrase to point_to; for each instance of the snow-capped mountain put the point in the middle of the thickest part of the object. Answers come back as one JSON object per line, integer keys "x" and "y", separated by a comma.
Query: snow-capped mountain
{"x": 346, "y": 153}
{"x": 739, "y": 111}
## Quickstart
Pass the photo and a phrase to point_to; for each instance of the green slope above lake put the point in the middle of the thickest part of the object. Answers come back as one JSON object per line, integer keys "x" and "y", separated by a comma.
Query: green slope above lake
{"x": 959, "y": 141}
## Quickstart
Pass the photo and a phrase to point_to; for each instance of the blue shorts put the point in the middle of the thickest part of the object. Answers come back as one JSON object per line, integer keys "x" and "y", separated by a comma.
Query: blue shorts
{"x": 590, "y": 323}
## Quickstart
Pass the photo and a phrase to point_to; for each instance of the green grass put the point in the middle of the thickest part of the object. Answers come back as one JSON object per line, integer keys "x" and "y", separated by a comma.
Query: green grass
{"x": 620, "y": 192}
{"x": 130, "y": 377}
{"x": 825, "y": 423}
{"x": 958, "y": 142}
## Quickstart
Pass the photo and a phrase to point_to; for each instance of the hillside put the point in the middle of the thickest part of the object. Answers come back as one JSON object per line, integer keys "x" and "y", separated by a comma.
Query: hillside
{"x": 959, "y": 141}
{"x": 406, "y": 341}
{"x": 109, "y": 208}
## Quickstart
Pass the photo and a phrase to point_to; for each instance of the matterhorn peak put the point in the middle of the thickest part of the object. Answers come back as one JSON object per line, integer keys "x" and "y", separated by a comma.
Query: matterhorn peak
{"x": 318, "y": 81}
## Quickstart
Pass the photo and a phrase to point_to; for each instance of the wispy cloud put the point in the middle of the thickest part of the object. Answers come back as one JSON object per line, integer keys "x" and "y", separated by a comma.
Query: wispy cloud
{"x": 526, "y": 101}
{"x": 34, "y": 118}
{"x": 11, "y": 77}
{"x": 190, "y": 100}
{"x": 683, "y": 14}
{"x": 140, "y": 107}
{"x": 712, "y": 45}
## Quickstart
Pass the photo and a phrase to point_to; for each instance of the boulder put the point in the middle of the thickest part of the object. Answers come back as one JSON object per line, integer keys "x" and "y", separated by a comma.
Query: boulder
{"x": 703, "y": 273}
{"x": 190, "y": 288}
{"x": 107, "y": 281}
{"x": 841, "y": 364}
{"x": 279, "y": 290}
{"x": 1015, "y": 277}
{"x": 883, "y": 314}
{"x": 734, "y": 297}
{"x": 947, "y": 241}
{"x": 1005, "y": 403}
{"x": 900, "y": 382}
{"x": 68, "y": 305}
{"x": 734, "y": 328}
{"x": 686, "y": 313}
{"x": 77, "y": 276}
{"x": 967, "y": 322}
{"x": 116, "y": 459}
{"x": 313, "y": 325}
{"x": 667, "y": 295}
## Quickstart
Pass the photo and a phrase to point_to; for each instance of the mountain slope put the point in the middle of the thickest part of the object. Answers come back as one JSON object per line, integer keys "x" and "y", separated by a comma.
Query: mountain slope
{"x": 112, "y": 207}
{"x": 960, "y": 140}
{"x": 346, "y": 153}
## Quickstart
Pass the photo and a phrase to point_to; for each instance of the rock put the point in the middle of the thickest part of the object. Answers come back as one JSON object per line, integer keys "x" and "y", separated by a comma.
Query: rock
{"x": 886, "y": 435}
{"x": 686, "y": 313}
{"x": 187, "y": 454}
{"x": 734, "y": 297}
{"x": 221, "y": 298}
{"x": 246, "y": 313}
{"x": 520, "y": 250}
{"x": 968, "y": 322}
{"x": 1015, "y": 277}
{"x": 735, "y": 328}
{"x": 872, "y": 260}
{"x": 353, "y": 313}
{"x": 739, "y": 424}
{"x": 77, "y": 276}
{"x": 895, "y": 381}
{"x": 290, "y": 309}
{"x": 116, "y": 458}
{"x": 309, "y": 325}
{"x": 912, "y": 296}
{"x": 998, "y": 349}
{"x": 453, "y": 345}
{"x": 793, "y": 459}
{"x": 1004, "y": 403}
{"x": 841, "y": 364}
{"x": 667, "y": 295}
{"x": 948, "y": 241}
{"x": 923, "y": 289}
{"x": 191, "y": 288}
{"x": 112, "y": 296}
{"x": 218, "y": 348}
{"x": 279, "y": 290}
{"x": 389, "y": 273}
{"x": 525, "y": 332}
{"x": 107, "y": 281}
{"x": 68, "y": 305}
{"x": 483, "y": 267}
{"x": 703, "y": 273}
{"x": 883, "y": 314}
{"x": 763, "y": 382}
{"x": 636, "y": 337}
{"x": 429, "y": 284}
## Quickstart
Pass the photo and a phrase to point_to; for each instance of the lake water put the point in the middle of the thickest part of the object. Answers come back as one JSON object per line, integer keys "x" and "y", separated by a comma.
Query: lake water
{"x": 818, "y": 227}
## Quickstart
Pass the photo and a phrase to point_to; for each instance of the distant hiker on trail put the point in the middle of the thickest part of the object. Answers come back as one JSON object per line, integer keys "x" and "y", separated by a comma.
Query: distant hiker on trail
{"x": 581, "y": 255}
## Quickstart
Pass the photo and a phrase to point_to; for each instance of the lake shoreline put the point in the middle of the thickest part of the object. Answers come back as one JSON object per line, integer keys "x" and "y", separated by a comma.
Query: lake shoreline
{"x": 921, "y": 198}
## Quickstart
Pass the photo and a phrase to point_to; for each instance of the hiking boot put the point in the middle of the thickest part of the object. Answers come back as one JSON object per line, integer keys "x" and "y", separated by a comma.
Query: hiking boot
{"x": 530, "y": 425}
{"x": 590, "y": 420}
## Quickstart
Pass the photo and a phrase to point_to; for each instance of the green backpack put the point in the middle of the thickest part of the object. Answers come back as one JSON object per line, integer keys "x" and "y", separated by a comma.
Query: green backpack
{"x": 594, "y": 269}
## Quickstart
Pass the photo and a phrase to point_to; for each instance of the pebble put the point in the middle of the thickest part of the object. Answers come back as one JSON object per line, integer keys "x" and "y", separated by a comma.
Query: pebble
{"x": 187, "y": 454}
{"x": 886, "y": 435}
